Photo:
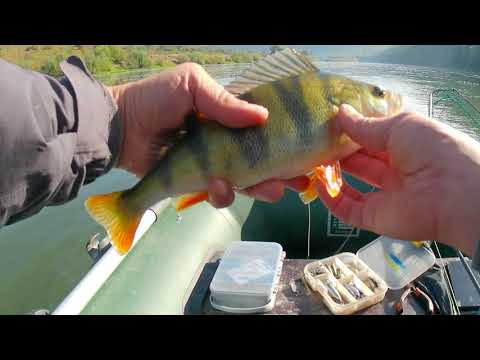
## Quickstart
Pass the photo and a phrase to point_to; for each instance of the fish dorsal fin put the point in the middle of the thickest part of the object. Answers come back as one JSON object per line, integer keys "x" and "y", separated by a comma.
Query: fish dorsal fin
{"x": 279, "y": 65}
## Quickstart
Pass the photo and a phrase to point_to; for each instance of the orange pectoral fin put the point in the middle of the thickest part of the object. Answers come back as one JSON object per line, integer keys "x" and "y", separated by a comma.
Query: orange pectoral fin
{"x": 310, "y": 194}
{"x": 331, "y": 177}
{"x": 188, "y": 200}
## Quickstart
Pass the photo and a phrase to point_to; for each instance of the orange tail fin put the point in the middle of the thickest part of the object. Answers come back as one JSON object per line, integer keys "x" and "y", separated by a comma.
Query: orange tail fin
{"x": 120, "y": 223}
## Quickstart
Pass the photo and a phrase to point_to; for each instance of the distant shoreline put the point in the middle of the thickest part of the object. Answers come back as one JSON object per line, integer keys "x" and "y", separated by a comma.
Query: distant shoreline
{"x": 341, "y": 59}
{"x": 128, "y": 71}
{"x": 105, "y": 60}
{"x": 119, "y": 77}
{"x": 450, "y": 68}
{"x": 455, "y": 57}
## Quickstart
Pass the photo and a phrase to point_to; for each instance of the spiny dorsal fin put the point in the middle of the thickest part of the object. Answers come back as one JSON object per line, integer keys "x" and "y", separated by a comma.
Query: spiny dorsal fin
{"x": 276, "y": 66}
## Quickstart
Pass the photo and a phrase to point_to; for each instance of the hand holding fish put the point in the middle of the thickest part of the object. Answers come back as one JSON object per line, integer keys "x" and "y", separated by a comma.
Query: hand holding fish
{"x": 191, "y": 140}
{"x": 155, "y": 107}
{"x": 427, "y": 173}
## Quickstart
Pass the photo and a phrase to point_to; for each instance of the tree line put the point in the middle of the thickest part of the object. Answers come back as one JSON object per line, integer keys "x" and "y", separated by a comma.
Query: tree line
{"x": 116, "y": 58}
{"x": 464, "y": 57}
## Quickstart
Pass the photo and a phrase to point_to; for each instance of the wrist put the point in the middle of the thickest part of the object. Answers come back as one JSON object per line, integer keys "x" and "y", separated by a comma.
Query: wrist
{"x": 460, "y": 205}
{"x": 116, "y": 92}
{"x": 118, "y": 95}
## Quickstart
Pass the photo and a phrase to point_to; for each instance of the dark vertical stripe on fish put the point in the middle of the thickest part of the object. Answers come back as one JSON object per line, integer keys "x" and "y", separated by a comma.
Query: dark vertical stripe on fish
{"x": 295, "y": 106}
{"x": 252, "y": 142}
{"x": 166, "y": 171}
{"x": 197, "y": 145}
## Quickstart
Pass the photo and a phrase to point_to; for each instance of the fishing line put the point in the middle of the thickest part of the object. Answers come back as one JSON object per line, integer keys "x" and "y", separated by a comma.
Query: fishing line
{"x": 345, "y": 242}
{"x": 445, "y": 278}
{"x": 309, "y": 231}
{"x": 351, "y": 231}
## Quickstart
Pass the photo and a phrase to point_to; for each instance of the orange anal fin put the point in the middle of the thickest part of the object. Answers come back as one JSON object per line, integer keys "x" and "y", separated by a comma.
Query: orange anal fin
{"x": 188, "y": 200}
{"x": 331, "y": 177}
{"x": 310, "y": 194}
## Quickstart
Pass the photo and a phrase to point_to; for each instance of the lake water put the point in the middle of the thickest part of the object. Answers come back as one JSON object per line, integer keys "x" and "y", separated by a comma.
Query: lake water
{"x": 44, "y": 257}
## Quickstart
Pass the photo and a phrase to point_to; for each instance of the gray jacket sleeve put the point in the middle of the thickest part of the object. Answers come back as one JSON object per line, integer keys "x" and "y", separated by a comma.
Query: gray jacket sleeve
{"x": 55, "y": 136}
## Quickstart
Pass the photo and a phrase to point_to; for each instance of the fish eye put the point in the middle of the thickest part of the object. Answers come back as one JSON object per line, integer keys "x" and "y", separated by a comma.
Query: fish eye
{"x": 378, "y": 92}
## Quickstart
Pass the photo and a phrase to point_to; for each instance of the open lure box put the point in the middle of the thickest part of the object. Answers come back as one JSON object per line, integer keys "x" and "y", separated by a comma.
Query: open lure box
{"x": 351, "y": 282}
{"x": 346, "y": 283}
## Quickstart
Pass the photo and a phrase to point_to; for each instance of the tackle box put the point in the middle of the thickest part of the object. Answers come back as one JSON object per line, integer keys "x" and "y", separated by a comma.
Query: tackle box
{"x": 351, "y": 282}
{"x": 246, "y": 281}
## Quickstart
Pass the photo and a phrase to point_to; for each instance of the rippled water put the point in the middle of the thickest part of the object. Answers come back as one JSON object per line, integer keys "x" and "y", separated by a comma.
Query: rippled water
{"x": 45, "y": 256}
{"x": 415, "y": 83}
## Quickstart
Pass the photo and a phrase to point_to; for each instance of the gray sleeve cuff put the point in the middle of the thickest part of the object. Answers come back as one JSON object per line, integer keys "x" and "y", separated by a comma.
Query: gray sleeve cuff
{"x": 100, "y": 133}
{"x": 55, "y": 137}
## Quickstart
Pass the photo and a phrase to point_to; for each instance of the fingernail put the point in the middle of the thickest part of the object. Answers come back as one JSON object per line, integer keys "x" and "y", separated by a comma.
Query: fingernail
{"x": 262, "y": 110}
{"x": 258, "y": 108}
{"x": 263, "y": 198}
{"x": 223, "y": 187}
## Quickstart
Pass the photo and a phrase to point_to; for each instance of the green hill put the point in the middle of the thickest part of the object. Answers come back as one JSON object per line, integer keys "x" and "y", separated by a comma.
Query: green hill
{"x": 101, "y": 59}
{"x": 464, "y": 57}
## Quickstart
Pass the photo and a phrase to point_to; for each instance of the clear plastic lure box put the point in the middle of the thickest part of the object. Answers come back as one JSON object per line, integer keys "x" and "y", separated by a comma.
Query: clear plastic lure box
{"x": 397, "y": 262}
{"x": 336, "y": 278}
{"x": 247, "y": 278}
{"x": 349, "y": 283}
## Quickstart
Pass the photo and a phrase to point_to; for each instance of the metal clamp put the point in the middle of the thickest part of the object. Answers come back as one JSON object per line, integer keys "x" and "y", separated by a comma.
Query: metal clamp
{"x": 96, "y": 248}
{"x": 40, "y": 312}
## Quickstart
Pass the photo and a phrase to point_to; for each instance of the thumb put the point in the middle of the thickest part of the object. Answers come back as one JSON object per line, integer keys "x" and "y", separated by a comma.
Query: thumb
{"x": 216, "y": 103}
{"x": 369, "y": 132}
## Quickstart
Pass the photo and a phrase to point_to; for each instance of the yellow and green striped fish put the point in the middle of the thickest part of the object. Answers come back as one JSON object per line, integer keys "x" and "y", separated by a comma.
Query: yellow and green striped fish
{"x": 300, "y": 137}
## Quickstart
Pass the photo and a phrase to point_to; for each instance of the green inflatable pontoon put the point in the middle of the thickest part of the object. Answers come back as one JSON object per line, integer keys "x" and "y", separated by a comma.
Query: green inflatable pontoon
{"x": 170, "y": 251}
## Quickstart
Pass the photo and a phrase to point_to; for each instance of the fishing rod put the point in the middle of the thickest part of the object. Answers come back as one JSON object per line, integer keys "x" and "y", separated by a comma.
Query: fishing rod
{"x": 476, "y": 259}
{"x": 469, "y": 271}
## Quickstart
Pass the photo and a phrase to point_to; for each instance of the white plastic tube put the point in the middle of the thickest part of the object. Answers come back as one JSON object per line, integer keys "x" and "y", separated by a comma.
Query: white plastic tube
{"x": 79, "y": 297}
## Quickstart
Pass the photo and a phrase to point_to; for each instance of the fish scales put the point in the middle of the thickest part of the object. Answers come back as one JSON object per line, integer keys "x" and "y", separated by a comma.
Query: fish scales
{"x": 245, "y": 156}
{"x": 300, "y": 136}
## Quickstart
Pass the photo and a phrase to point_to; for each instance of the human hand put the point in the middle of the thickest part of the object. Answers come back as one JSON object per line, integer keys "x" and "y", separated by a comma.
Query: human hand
{"x": 153, "y": 107}
{"x": 428, "y": 175}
